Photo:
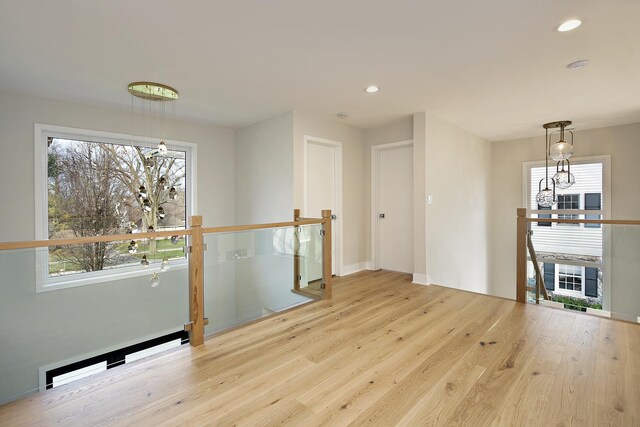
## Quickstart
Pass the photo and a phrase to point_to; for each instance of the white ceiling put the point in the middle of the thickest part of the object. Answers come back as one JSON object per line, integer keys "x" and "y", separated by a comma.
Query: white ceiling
{"x": 493, "y": 67}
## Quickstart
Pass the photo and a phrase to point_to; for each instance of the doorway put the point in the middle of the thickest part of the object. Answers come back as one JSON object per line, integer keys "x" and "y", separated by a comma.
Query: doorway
{"x": 323, "y": 188}
{"x": 392, "y": 206}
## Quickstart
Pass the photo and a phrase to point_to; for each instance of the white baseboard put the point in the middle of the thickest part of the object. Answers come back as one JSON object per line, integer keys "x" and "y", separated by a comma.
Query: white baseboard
{"x": 355, "y": 268}
{"x": 553, "y": 304}
{"x": 420, "y": 279}
{"x": 601, "y": 313}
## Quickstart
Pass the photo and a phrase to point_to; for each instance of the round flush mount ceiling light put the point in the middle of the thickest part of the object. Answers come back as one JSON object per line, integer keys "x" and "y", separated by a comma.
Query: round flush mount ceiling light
{"x": 372, "y": 89}
{"x": 578, "y": 64}
{"x": 568, "y": 25}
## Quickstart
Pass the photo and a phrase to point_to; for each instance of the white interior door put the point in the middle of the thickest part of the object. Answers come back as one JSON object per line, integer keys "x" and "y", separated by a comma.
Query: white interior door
{"x": 395, "y": 208}
{"x": 321, "y": 187}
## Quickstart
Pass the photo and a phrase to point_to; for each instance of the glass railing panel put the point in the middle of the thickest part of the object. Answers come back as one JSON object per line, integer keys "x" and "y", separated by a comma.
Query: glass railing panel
{"x": 596, "y": 275}
{"x": 570, "y": 259}
{"x": 54, "y": 331}
{"x": 249, "y": 275}
{"x": 310, "y": 258}
{"x": 621, "y": 278}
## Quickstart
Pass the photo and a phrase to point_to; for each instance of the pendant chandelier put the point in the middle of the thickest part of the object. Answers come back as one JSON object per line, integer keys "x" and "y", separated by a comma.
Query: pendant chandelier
{"x": 153, "y": 94}
{"x": 559, "y": 151}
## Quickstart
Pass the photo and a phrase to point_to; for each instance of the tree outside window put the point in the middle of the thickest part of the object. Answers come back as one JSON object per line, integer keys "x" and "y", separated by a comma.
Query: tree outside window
{"x": 97, "y": 188}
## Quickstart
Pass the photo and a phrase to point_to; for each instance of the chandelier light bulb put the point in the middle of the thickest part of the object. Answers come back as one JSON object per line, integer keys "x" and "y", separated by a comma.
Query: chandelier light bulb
{"x": 561, "y": 150}
{"x": 161, "y": 213}
{"x": 133, "y": 247}
{"x": 162, "y": 182}
{"x": 546, "y": 198}
{"x": 142, "y": 192}
{"x": 564, "y": 179}
{"x": 175, "y": 240}
{"x": 146, "y": 205}
{"x": 144, "y": 261}
{"x": 172, "y": 193}
{"x": 162, "y": 148}
{"x": 164, "y": 265}
{"x": 155, "y": 280}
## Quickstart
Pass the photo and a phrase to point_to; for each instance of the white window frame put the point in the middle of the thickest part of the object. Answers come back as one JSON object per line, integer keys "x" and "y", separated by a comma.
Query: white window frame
{"x": 569, "y": 292}
{"x": 42, "y": 132}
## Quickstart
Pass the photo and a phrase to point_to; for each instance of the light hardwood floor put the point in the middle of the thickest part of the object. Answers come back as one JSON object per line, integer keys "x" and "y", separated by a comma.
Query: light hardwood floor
{"x": 382, "y": 352}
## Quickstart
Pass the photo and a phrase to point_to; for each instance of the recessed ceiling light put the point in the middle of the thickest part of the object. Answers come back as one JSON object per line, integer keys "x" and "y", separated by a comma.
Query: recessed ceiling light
{"x": 372, "y": 89}
{"x": 578, "y": 64}
{"x": 342, "y": 115}
{"x": 568, "y": 25}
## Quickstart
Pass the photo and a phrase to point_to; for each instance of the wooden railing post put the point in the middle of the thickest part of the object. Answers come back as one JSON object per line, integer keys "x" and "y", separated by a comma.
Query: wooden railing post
{"x": 196, "y": 283}
{"x": 296, "y": 253}
{"x": 327, "y": 277}
{"x": 521, "y": 256}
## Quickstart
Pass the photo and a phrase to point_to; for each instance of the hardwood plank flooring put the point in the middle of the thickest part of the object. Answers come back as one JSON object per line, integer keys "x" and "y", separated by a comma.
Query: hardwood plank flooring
{"x": 382, "y": 352}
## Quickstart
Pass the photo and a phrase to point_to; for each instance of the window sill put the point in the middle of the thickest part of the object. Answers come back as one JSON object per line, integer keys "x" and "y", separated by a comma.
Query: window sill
{"x": 93, "y": 278}
{"x": 572, "y": 294}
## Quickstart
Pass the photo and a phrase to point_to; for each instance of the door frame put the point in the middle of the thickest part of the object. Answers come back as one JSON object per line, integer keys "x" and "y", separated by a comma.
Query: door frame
{"x": 337, "y": 152}
{"x": 375, "y": 162}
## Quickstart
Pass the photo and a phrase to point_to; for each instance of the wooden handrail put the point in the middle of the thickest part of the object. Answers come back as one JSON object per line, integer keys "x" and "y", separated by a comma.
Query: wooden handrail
{"x": 30, "y": 244}
{"x": 232, "y": 228}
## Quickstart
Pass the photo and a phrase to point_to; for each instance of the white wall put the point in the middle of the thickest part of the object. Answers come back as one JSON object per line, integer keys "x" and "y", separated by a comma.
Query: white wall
{"x": 354, "y": 208}
{"x": 450, "y": 236}
{"x": 264, "y": 173}
{"x": 399, "y": 130}
{"x": 50, "y": 327}
{"x": 621, "y": 142}
{"x": 457, "y": 176}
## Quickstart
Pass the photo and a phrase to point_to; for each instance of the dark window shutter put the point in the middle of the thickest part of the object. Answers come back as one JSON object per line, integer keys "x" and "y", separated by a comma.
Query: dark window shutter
{"x": 550, "y": 276}
{"x": 543, "y": 208}
{"x": 592, "y": 202}
{"x": 591, "y": 282}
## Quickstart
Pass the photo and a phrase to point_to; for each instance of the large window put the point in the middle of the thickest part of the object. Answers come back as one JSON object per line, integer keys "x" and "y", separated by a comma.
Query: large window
{"x": 103, "y": 184}
{"x": 572, "y": 254}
